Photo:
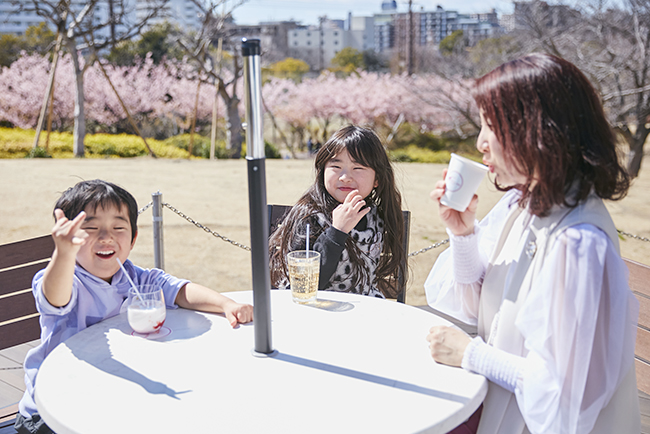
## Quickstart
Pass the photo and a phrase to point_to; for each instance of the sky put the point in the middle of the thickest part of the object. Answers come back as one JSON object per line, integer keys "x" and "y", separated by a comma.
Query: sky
{"x": 308, "y": 11}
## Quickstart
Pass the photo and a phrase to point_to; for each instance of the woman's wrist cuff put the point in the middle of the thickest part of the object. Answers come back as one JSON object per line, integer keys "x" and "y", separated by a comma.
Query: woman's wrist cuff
{"x": 468, "y": 267}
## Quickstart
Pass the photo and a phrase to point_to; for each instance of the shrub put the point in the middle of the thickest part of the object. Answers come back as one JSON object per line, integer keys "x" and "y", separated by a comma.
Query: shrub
{"x": 200, "y": 146}
{"x": 118, "y": 145}
{"x": 413, "y": 154}
{"x": 38, "y": 152}
{"x": 18, "y": 143}
{"x": 270, "y": 151}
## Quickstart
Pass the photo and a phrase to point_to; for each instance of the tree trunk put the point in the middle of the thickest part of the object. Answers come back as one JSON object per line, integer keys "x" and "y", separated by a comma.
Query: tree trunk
{"x": 79, "y": 132}
{"x": 636, "y": 142}
{"x": 234, "y": 126}
{"x": 49, "y": 94}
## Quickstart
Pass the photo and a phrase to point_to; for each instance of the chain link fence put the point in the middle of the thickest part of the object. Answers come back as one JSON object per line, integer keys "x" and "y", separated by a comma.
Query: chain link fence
{"x": 245, "y": 247}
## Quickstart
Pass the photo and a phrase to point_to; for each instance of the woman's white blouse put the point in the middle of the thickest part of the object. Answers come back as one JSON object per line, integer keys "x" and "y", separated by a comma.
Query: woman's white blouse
{"x": 578, "y": 322}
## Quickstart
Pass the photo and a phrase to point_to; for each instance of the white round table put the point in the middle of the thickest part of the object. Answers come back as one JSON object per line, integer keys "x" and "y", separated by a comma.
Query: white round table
{"x": 349, "y": 364}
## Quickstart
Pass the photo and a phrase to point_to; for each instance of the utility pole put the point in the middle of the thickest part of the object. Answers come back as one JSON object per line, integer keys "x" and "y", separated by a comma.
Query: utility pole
{"x": 321, "y": 56}
{"x": 111, "y": 16}
{"x": 409, "y": 60}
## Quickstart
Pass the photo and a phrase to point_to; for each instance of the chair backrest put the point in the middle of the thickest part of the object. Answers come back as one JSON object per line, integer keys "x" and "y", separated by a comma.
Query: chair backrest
{"x": 278, "y": 212}
{"x": 19, "y": 262}
{"x": 640, "y": 285}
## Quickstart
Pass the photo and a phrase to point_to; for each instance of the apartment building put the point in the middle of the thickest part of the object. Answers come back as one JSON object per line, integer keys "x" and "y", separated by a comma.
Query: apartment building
{"x": 317, "y": 45}
{"x": 185, "y": 13}
{"x": 273, "y": 36}
{"x": 16, "y": 17}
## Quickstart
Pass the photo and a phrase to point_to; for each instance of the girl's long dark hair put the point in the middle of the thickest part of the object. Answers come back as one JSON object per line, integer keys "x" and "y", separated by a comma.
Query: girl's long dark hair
{"x": 550, "y": 122}
{"x": 365, "y": 148}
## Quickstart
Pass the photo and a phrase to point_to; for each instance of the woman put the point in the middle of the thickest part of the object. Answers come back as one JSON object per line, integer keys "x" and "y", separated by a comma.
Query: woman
{"x": 541, "y": 276}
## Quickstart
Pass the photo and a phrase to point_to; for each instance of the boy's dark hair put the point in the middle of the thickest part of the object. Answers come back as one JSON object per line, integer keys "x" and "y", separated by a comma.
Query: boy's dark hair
{"x": 97, "y": 193}
{"x": 550, "y": 122}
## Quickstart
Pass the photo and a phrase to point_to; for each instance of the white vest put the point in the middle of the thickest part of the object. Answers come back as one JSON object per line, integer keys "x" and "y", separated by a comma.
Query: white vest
{"x": 501, "y": 413}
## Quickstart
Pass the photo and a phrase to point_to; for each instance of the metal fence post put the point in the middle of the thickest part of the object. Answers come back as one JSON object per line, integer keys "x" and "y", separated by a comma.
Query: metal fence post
{"x": 158, "y": 247}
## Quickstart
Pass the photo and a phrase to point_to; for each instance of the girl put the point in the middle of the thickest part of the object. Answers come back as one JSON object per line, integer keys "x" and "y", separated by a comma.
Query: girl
{"x": 541, "y": 275}
{"x": 355, "y": 217}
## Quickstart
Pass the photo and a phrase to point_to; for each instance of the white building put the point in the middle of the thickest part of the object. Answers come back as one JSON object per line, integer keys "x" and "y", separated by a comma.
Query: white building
{"x": 14, "y": 21}
{"x": 317, "y": 45}
{"x": 384, "y": 27}
{"x": 362, "y": 33}
{"x": 16, "y": 18}
{"x": 185, "y": 13}
{"x": 436, "y": 26}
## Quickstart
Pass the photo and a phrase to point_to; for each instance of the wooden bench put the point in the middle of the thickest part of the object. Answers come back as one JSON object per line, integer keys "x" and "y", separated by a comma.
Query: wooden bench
{"x": 19, "y": 322}
{"x": 640, "y": 285}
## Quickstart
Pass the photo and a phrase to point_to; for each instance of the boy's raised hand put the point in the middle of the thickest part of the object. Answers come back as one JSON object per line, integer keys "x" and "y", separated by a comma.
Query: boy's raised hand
{"x": 68, "y": 239}
{"x": 348, "y": 214}
{"x": 67, "y": 234}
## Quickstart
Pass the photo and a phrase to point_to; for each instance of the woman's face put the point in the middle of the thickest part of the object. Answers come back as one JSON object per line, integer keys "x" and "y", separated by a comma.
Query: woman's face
{"x": 493, "y": 157}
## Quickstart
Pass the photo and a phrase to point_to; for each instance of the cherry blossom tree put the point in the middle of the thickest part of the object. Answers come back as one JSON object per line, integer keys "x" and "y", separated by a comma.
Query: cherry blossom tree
{"x": 207, "y": 60}
{"x": 150, "y": 91}
{"x": 78, "y": 26}
{"x": 168, "y": 90}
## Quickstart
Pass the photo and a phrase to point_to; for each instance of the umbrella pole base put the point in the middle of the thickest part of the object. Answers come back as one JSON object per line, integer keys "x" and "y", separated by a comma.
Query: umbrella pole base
{"x": 256, "y": 353}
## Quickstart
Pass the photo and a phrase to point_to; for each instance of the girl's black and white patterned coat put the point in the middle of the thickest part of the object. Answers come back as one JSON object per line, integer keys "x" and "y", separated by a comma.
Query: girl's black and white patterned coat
{"x": 337, "y": 271}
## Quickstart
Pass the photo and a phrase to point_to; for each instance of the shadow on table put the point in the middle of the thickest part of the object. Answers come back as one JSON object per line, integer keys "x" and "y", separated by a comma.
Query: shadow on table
{"x": 369, "y": 377}
{"x": 98, "y": 353}
{"x": 331, "y": 305}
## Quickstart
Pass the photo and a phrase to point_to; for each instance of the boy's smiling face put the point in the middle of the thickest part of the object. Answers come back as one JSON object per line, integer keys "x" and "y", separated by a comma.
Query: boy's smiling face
{"x": 109, "y": 237}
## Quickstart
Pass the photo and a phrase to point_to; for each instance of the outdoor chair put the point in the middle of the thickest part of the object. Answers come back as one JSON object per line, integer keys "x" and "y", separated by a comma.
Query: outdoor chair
{"x": 19, "y": 319}
{"x": 276, "y": 216}
{"x": 640, "y": 285}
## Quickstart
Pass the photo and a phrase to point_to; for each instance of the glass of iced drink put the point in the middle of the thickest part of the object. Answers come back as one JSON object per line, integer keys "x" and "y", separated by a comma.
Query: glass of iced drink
{"x": 304, "y": 271}
{"x": 146, "y": 310}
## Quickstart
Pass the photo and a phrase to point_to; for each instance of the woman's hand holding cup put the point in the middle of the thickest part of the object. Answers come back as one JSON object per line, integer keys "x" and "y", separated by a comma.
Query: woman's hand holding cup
{"x": 459, "y": 223}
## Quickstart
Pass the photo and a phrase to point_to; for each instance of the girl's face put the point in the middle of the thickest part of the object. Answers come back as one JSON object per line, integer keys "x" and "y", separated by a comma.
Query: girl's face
{"x": 343, "y": 174}
{"x": 493, "y": 156}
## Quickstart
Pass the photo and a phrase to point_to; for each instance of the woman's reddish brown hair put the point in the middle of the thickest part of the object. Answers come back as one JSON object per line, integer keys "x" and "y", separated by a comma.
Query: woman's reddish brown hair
{"x": 551, "y": 124}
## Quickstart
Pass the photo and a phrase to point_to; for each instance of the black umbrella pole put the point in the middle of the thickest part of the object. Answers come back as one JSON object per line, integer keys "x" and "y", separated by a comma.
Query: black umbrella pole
{"x": 259, "y": 221}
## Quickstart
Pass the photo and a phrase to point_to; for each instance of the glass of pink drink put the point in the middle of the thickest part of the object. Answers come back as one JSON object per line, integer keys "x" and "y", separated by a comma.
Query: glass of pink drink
{"x": 146, "y": 311}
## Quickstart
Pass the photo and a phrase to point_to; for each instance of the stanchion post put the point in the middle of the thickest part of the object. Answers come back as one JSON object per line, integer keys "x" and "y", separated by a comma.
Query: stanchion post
{"x": 259, "y": 221}
{"x": 158, "y": 247}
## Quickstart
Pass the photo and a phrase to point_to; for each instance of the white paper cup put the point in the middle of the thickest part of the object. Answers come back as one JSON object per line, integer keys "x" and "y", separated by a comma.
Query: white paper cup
{"x": 462, "y": 180}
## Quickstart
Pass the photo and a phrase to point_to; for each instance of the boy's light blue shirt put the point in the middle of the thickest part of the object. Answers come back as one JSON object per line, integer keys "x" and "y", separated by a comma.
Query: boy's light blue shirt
{"x": 92, "y": 300}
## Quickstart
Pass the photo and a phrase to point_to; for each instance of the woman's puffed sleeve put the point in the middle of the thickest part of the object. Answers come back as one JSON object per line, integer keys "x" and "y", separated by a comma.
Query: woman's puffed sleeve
{"x": 579, "y": 326}
{"x": 454, "y": 283}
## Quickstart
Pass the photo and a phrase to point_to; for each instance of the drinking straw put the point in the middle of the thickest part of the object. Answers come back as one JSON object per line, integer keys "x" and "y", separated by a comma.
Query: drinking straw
{"x": 135, "y": 288}
{"x": 307, "y": 240}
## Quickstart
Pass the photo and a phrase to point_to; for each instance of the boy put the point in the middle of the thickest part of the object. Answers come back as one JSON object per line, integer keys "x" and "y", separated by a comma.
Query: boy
{"x": 84, "y": 284}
